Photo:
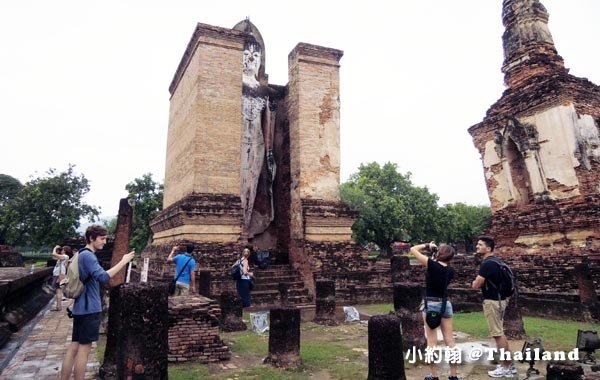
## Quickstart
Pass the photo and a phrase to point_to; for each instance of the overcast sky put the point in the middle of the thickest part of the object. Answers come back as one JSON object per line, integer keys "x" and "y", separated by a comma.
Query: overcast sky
{"x": 87, "y": 82}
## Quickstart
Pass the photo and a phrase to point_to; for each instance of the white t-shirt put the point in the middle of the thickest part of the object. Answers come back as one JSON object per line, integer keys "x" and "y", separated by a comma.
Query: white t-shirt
{"x": 60, "y": 268}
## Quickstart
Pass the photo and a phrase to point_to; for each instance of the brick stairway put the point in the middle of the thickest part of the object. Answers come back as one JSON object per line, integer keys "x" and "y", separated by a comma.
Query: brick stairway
{"x": 266, "y": 285}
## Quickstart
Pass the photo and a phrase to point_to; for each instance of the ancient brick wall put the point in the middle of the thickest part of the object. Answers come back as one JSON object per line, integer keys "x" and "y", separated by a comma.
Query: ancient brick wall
{"x": 572, "y": 222}
{"x": 194, "y": 330}
{"x": 204, "y": 138}
{"x": 216, "y": 257}
{"x": 539, "y": 149}
{"x": 9, "y": 257}
{"x": 200, "y": 217}
{"x": 358, "y": 279}
{"x": 547, "y": 284}
{"x": 313, "y": 112}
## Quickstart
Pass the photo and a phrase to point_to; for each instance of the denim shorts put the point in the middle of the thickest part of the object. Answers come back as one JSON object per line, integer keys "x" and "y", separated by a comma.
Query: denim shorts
{"x": 437, "y": 306}
{"x": 86, "y": 328}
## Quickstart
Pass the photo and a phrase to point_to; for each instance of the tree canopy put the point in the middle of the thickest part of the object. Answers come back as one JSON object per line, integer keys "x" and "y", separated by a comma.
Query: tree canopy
{"x": 46, "y": 210}
{"x": 462, "y": 223}
{"x": 391, "y": 208}
{"x": 147, "y": 197}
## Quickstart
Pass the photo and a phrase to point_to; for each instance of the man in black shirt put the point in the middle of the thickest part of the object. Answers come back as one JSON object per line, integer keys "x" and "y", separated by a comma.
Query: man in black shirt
{"x": 493, "y": 310}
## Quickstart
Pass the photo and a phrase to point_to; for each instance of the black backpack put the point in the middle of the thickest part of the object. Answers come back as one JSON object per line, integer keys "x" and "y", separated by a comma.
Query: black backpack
{"x": 236, "y": 271}
{"x": 506, "y": 285}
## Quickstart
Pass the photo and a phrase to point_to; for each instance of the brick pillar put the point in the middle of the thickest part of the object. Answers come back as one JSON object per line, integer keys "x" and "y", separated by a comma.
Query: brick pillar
{"x": 284, "y": 338}
{"x": 400, "y": 268}
{"x": 314, "y": 135}
{"x": 139, "y": 321}
{"x": 385, "y": 348}
{"x": 122, "y": 235}
{"x": 231, "y": 312}
{"x": 587, "y": 293}
{"x": 513, "y": 320}
{"x": 204, "y": 283}
{"x": 325, "y": 303}
{"x": 407, "y": 298}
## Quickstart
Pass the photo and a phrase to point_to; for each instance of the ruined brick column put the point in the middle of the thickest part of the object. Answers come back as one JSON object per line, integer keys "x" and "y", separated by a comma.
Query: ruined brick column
{"x": 407, "y": 298}
{"x": 538, "y": 147}
{"x": 325, "y": 303}
{"x": 284, "y": 338}
{"x": 400, "y": 268}
{"x": 204, "y": 283}
{"x": 587, "y": 293}
{"x": 122, "y": 235}
{"x": 231, "y": 312}
{"x": 513, "y": 319}
{"x": 385, "y": 348}
{"x": 137, "y": 344}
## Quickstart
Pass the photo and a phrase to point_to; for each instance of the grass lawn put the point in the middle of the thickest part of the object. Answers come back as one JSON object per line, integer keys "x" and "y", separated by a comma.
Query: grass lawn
{"x": 555, "y": 334}
{"x": 340, "y": 352}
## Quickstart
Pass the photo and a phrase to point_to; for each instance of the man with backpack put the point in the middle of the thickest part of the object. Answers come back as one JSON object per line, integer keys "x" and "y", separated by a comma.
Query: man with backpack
{"x": 87, "y": 309}
{"x": 185, "y": 270}
{"x": 495, "y": 281}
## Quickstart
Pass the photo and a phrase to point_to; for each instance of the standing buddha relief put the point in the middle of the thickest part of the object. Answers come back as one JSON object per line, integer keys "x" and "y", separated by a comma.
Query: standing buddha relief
{"x": 517, "y": 147}
{"x": 257, "y": 161}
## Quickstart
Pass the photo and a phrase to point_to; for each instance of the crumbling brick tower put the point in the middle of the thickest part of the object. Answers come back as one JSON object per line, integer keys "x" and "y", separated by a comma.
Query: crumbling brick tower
{"x": 249, "y": 162}
{"x": 539, "y": 145}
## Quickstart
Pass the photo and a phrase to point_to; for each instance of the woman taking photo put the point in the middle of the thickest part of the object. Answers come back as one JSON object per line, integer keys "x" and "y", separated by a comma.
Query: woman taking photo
{"x": 438, "y": 276}
{"x": 243, "y": 285}
{"x": 62, "y": 256}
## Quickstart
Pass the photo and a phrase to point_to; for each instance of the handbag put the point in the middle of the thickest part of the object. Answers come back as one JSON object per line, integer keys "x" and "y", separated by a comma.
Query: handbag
{"x": 172, "y": 283}
{"x": 434, "y": 318}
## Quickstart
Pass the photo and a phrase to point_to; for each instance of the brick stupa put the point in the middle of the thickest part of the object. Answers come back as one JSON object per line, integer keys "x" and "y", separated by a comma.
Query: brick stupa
{"x": 539, "y": 144}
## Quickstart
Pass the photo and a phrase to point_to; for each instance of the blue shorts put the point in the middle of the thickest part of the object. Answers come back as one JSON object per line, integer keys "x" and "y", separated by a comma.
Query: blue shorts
{"x": 86, "y": 328}
{"x": 437, "y": 306}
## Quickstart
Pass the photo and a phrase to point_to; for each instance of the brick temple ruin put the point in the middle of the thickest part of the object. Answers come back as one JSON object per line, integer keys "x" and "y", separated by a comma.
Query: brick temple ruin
{"x": 250, "y": 162}
{"x": 540, "y": 149}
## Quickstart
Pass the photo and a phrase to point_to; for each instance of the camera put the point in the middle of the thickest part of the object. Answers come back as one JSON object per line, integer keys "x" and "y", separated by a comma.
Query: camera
{"x": 431, "y": 251}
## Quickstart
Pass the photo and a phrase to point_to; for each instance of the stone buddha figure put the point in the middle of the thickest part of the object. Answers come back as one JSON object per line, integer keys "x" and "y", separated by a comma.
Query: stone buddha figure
{"x": 257, "y": 160}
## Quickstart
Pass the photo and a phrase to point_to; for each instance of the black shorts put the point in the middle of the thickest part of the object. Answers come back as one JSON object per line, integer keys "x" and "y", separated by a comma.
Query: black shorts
{"x": 86, "y": 328}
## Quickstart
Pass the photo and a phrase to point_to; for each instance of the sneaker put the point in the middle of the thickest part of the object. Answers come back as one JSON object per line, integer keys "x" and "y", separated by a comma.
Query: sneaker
{"x": 452, "y": 377}
{"x": 430, "y": 377}
{"x": 512, "y": 367}
{"x": 501, "y": 372}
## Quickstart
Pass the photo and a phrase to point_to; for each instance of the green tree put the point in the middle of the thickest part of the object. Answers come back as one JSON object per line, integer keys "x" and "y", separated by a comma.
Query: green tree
{"x": 147, "y": 197}
{"x": 390, "y": 206}
{"x": 110, "y": 225}
{"x": 9, "y": 189}
{"x": 47, "y": 209}
{"x": 462, "y": 223}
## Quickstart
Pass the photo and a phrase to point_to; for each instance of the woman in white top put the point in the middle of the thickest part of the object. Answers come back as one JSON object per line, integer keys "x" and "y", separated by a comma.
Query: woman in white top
{"x": 61, "y": 255}
{"x": 244, "y": 283}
